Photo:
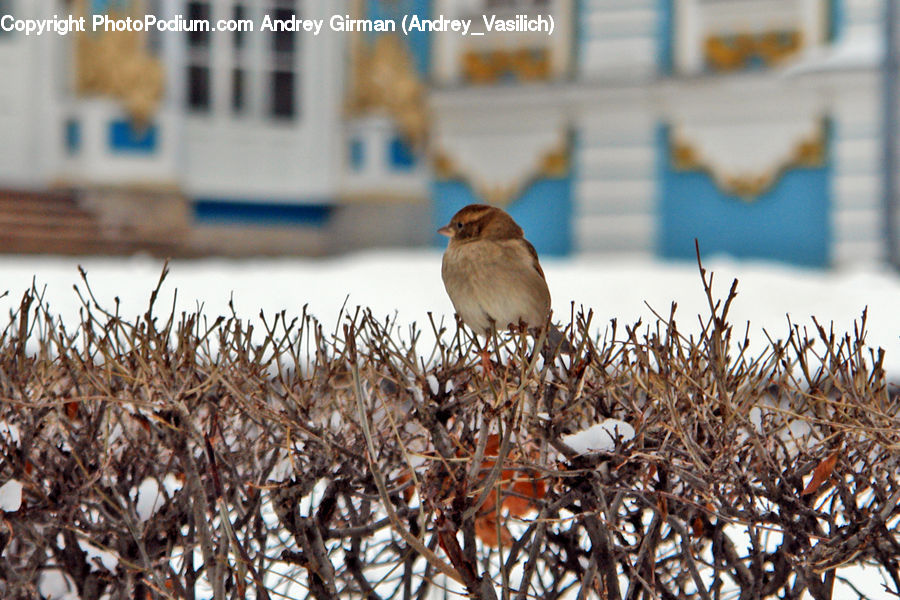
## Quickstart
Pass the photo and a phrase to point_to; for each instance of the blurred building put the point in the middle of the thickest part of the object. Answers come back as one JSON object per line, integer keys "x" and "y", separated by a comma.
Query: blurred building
{"x": 635, "y": 127}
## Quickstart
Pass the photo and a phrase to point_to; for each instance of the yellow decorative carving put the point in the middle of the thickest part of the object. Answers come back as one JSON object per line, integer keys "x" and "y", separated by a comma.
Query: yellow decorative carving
{"x": 116, "y": 64}
{"x": 384, "y": 78}
{"x": 554, "y": 163}
{"x": 444, "y": 167}
{"x": 807, "y": 153}
{"x": 523, "y": 64}
{"x": 738, "y": 51}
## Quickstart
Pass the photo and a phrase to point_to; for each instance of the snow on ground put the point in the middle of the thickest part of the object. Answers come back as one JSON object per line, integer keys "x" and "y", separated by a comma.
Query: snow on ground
{"x": 409, "y": 285}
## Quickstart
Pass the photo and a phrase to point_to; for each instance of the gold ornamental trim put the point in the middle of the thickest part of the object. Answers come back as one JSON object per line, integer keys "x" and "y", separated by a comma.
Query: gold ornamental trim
{"x": 116, "y": 64}
{"x": 734, "y": 52}
{"x": 555, "y": 163}
{"x": 809, "y": 153}
{"x": 383, "y": 78}
{"x": 522, "y": 64}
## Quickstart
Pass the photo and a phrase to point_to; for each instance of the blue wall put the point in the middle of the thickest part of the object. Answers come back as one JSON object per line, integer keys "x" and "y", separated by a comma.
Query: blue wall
{"x": 544, "y": 211}
{"x": 789, "y": 222}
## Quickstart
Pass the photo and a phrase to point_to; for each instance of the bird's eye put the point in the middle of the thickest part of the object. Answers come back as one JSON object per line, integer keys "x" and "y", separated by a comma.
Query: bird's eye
{"x": 459, "y": 224}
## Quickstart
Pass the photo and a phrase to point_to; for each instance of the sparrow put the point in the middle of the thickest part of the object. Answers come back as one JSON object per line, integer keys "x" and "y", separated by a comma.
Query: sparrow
{"x": 492, "y": 273}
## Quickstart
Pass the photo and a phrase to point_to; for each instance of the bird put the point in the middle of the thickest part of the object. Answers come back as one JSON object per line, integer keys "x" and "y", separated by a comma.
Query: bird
{"x": 493, "y": 275}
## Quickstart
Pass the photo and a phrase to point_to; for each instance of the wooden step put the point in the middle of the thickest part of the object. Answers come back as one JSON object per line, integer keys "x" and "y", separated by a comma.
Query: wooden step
{"x": 54, "y": 223}
{"x": 55, "y": 207}
{"x": 74, "y": 242}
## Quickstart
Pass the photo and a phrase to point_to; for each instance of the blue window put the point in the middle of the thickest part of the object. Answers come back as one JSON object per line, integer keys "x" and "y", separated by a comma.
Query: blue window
{"x": 73, "y": 136}
{"x": 357, "y": 154}
{"x": 401, "y": 155}
{"x": 124, "y": 136}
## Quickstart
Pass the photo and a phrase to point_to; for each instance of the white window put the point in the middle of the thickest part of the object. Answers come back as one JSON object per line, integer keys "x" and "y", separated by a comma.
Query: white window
{"x": 734, "y": 35}
{"x": 243, "y": 73}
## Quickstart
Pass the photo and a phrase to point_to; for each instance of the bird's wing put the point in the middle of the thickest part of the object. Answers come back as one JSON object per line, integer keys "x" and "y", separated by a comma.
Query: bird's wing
{"x": 534, "y": 256}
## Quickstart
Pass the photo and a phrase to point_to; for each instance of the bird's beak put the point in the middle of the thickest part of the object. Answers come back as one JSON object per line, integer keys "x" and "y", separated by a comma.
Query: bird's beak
{"x": 445, "y": 230}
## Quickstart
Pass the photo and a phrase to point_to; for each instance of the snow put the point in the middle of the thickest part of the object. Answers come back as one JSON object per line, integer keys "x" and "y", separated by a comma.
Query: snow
{"x": 9, "y": 432}
{"x": 149, "y": 498}
{"x": 433, "y": 384}
{"x": 53, "y": 584}
{"x": 600, "y": 437}
{"x": 11, "y": 496}
{"x": 98, "y": 557}
{"x": 408, "y": 285}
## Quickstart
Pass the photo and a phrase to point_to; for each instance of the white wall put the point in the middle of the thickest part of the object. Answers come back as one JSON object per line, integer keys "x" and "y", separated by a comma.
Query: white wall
{"x": 30, "y": 125}
{"x": 615, "y": 185}
{"x": 251, "y": 156}
{"x": 619, "y": 39}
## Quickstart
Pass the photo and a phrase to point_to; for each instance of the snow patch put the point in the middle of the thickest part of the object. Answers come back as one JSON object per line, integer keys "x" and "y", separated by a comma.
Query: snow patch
{"x": 600, "y": 437}
{"x": 10, "y": 431}
{"x": 172, "y": 484}
{"x": 99, "y": 558}
{"x": 150, "y": 497}
{"x": 53, "y": 584}
{"x": 433, "y": 384}
{"x": 11, "y": 496}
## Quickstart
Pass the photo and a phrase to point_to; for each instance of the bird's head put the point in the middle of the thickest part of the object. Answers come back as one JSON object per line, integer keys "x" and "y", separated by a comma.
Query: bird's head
{"x": 480, "y": 221}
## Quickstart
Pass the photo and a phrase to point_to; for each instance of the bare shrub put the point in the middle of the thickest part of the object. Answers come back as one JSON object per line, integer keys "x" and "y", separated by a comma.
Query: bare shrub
{"x": 174, "y": 457}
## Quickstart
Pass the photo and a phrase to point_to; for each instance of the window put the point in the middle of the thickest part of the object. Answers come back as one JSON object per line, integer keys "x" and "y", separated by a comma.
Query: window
{"x": 6, "y": 8}
{"x": 282, "y": 94}
{"x": 73, "y": 136}
{"x": 124, "y": 136}
{"x": 240, "y": 37}
{"x": 357, "y": 154}
{"x": 283, "y": 78}
{"x": 283, "y": 41}
{"x": 238, "y": 102}
{"x": 199, "y": 84}
{"x": 198, "y": 92}
{"x": 718, "y": 36}
{"x": 239, "y": 72}
{"x": 198, "y": 37}
{"x": 401, "y": 155}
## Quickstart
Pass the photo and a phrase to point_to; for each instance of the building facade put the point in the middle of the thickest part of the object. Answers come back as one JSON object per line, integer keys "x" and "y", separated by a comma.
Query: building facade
{"x": 752, "y": 125}
{"x": 634, "y": 127}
